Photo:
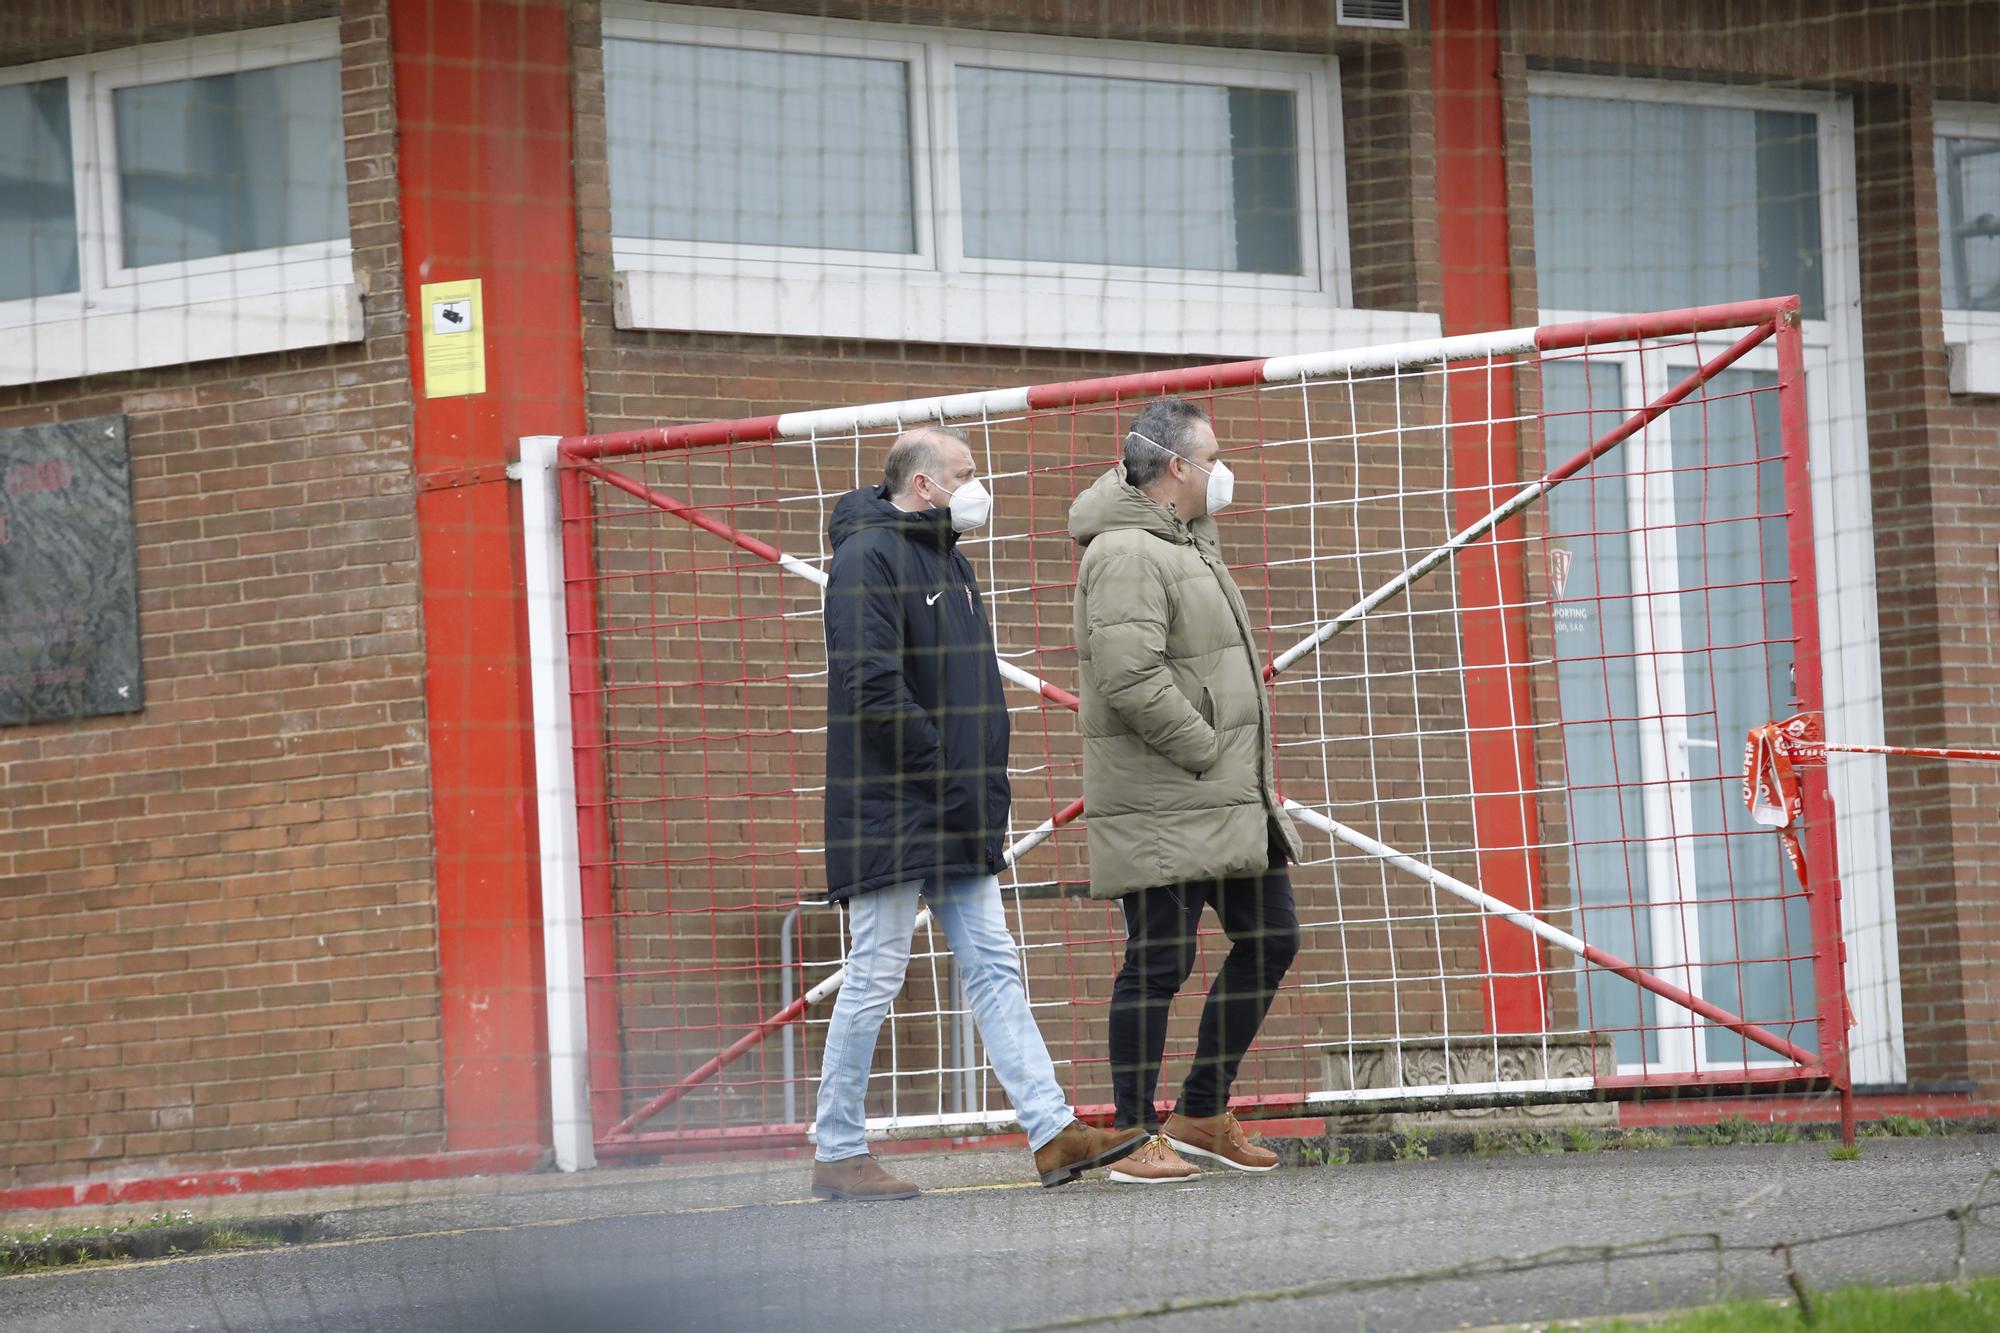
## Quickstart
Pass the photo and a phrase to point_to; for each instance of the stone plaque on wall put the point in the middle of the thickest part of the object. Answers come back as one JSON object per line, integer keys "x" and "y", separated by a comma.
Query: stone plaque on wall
{"x": 69, "y": 587}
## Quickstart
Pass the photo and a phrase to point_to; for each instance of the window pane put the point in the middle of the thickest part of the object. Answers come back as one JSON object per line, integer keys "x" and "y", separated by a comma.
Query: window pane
{"x": 1968, "y": 172}
{"x": 1734, "y": 577}
{"x": 1128, "y": 171}
{"x": 231, "y": 163}
{"x": 37, "y": 193}
{"x": 759, "y": 147}
{"x": 1593, "y": 610}
{"x": 1654, "y": 206}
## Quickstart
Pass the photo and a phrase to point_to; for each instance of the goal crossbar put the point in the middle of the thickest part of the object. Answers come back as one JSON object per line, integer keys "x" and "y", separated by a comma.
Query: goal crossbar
{"x": 990, "y": 404}
{"x": 1762, "y": 320}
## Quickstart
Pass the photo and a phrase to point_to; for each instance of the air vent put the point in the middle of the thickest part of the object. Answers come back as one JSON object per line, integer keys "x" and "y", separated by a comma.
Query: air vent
{"x": 1374, "y": 13}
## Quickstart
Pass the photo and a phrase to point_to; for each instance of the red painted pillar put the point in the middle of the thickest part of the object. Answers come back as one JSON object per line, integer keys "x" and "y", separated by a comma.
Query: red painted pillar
{"x": 1485, "y": 469}
{"x": 483, "y": 128}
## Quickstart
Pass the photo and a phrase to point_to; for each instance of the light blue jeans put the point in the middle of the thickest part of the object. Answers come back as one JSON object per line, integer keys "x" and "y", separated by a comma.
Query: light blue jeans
{"x": 880, "y": 925}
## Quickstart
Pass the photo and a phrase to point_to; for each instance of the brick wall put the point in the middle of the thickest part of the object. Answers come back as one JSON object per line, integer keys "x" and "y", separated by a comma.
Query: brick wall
{"x": 216, "y": 930}
{"x": 1936, "y": 467}
{"x": 1948, "y": 43}
{"x": 1391, "y": 199}
{"x": 33, "y": 30}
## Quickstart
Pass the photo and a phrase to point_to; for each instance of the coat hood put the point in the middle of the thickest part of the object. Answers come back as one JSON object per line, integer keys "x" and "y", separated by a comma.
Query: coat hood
{"x": 1111, "y": 504}
{"x": 870, "y": 507}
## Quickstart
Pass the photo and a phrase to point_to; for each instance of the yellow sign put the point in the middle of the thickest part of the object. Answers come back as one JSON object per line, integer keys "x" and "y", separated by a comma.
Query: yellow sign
{"x": 454, "y": 339}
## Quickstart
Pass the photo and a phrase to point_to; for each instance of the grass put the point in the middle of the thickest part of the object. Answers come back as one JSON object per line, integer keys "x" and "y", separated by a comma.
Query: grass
{"x": 1414, "y": 1146}
{"x": 1572, "y": 1138}
{"x": 1578, "y": 1139}
{"x": 1971, "y": 1305}
{"x": 1844, "y": 1152}
{"x": 229, "y": 1238}
{"x": 1740, "y": 1129}
{"x": 1903, "y": 1127}
{"x": 56, "y": 1235}
{"x": 28, "y": 1248}
{"x": 1313, "y": 1155}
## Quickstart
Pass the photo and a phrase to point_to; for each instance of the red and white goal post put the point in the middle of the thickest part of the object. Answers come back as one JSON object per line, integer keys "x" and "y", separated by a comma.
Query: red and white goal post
{"x": 1508, "y": 719}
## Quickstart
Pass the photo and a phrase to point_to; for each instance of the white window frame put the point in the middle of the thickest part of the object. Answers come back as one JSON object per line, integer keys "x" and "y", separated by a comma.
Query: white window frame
{"x": 1851, "y": 663}
{"x": 1315, "y": 84}
{"x": 1973, "y": 336}
{"x": 938, "y": 293}
{"x": 166, "y": 314}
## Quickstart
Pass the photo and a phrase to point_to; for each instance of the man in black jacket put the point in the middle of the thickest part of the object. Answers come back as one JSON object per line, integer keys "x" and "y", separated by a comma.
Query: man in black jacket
{"x": 916, "y": 804}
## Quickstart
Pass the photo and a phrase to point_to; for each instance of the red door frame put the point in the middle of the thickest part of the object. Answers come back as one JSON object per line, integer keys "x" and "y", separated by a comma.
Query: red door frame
{"x": 1471, "y": 167}
{"x": 484, "y": 153}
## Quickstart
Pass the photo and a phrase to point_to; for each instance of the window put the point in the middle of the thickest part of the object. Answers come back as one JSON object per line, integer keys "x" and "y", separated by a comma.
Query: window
{"x": 770, "y": 148}
{"x": 38, "y": 228}
{"x": 1968, "y": 181}
{"x": 1968, "y": 176}
{"x": 766, "y": 171}
{"x": 1048, "y": 171}
{"x": 160, "y": 199}
{"x": 1661, "y": 205}
{"x": 230, "y": 164}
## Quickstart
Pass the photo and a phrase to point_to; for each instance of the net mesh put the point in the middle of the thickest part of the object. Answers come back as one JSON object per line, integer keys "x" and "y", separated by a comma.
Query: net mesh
{"x": 1587, "y": 773}
{"x": 296, "y": 297}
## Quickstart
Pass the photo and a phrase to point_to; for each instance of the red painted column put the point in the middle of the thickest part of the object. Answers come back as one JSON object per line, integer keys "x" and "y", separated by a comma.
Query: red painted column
{"x": 483, "y": 127}
{"x": 1485, "y": 468}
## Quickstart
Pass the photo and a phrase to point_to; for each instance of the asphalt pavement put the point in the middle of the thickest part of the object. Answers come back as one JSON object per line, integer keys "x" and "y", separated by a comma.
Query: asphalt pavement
{"x": 1424, "y": 1245}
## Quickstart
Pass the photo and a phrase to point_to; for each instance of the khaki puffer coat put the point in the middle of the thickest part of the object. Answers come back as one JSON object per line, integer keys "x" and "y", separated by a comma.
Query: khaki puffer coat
{"x": 1178, "y": 776}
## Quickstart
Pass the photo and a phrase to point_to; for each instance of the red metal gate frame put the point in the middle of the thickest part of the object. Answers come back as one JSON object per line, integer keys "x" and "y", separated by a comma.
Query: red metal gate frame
{"x": 582, "y": 458}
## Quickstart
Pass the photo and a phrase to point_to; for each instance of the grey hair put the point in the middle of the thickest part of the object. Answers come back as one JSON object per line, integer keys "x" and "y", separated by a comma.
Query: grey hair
{"x": 918, "y": 449}
{"x": 1168, "y": 423}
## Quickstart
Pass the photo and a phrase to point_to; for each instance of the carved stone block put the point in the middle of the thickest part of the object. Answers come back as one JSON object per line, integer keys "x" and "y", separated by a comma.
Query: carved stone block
{"x": 1431, "y": 1063}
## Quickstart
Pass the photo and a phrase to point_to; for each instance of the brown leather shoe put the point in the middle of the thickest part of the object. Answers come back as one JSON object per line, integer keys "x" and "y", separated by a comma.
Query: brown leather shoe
{"x": 858, "y": 1179}
{"x": 1154, "y": 1164}
{"x": 1219, "y": 1139}
{"x": 1079, "y": 1148}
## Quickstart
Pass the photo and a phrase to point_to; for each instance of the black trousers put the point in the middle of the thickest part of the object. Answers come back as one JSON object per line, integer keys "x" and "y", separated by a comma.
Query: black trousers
{"x": 1262, "y": 924}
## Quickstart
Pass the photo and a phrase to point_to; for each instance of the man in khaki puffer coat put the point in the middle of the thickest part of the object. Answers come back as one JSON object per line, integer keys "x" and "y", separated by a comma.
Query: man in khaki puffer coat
{"x": 1178, "y": 781}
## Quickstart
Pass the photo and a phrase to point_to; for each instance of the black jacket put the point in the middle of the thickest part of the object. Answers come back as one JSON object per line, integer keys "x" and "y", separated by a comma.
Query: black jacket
{"x": 916, "y": 726}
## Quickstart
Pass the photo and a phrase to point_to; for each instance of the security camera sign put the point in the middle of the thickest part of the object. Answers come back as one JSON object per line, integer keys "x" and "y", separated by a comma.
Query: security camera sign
{"x": 454, "y": 339}
{"x": 449, "y": 317}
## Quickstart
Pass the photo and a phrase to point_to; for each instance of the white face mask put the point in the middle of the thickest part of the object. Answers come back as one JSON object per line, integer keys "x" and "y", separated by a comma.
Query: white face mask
{"x": 1221, "y": 487}
{"x": 1221, "y": 481}
{"x": 971, "y": 505}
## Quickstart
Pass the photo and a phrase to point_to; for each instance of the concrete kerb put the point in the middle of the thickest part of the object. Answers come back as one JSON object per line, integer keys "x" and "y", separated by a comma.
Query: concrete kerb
{"x": 153, "y": 1241}
{"x": 1416, "y": 1143}
{"x": 332, "y": 1201}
